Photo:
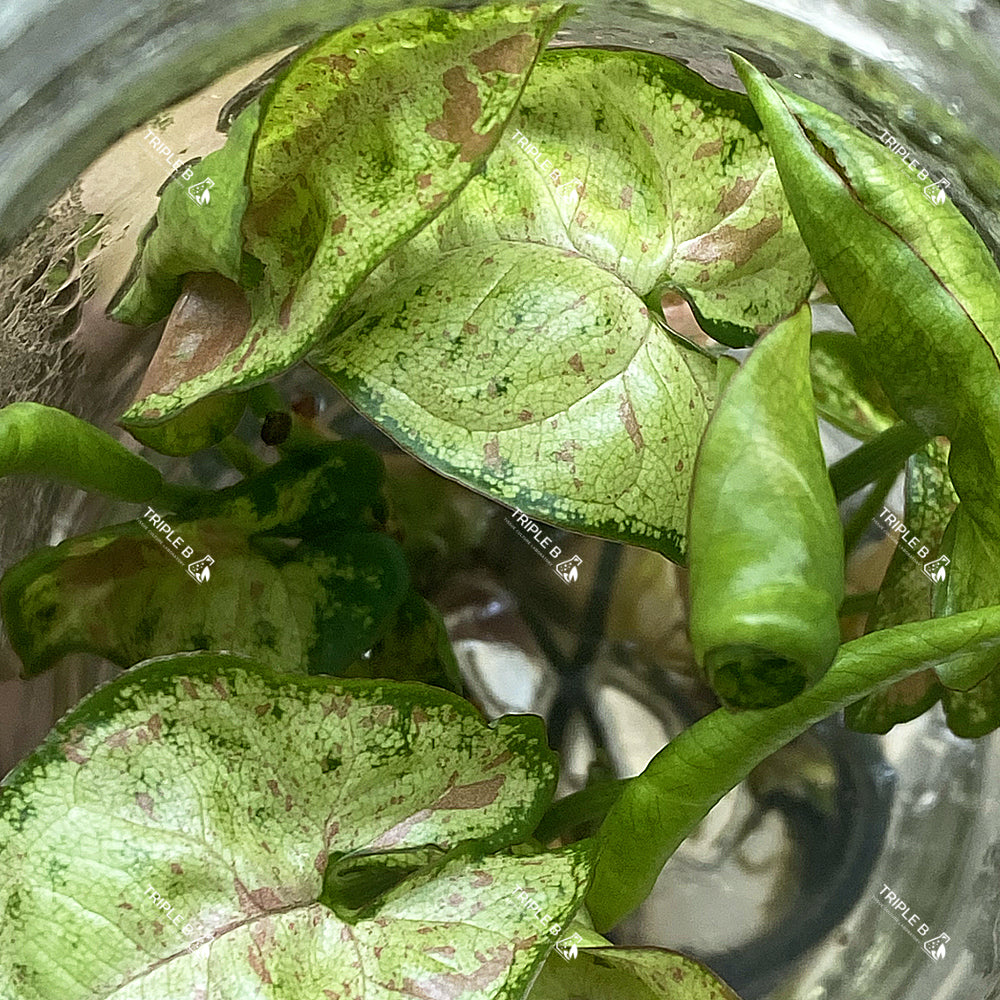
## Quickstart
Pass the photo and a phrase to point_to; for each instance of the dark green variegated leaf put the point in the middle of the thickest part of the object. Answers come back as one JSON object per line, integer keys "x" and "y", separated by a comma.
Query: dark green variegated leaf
{"x": 201, "y": 425}
{"x": 906, "y": 591}
{"x": 635, "y": 973}
{"x": 975, "y": 712}
{"x": 37, "y": 440}
{"x": 536, "y": 376}
{"x": 415, "y": 647}
{"x": 660, "y": 807}
{"x": 126, "y": 595}
{"x": 363, "y": 140}
{"x": 228, "y": 790}
{"x": 846, "y": 390}
{"x": 196, "y": 228}
{"x": 336, "y": 486}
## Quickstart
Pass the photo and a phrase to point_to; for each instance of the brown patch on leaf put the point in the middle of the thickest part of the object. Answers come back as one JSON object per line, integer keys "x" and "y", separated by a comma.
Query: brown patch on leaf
{"x": 337, "y": 63}
{"x": 257, "y": 901}
{"x": 451, "y": 985}
{"x": 730, "y": 243}
{"x": 472, "y": 796}
{"x": 285, "y": 312}
{"x": 461, "y": 110}
{"x": 707, "y": 149}
{"x": 209, "y": 320}
{"x": 491, "y": 456}
{"x": 470, "y": 328}
{"x": 626, "y": 414}
{"x": 501, "y": 758}
{"x": 145, "y": 803}
{"x": 424, "y": 180}
{"x": 576, "y": 363}
{"x": 509, "y": 55}
{"x": 625, "y": 198}
{"x": 120, "y": 558}
{"x": 338, "y": 225}
{"x": 220, "y": 688}
{"x": 736, "y": 195}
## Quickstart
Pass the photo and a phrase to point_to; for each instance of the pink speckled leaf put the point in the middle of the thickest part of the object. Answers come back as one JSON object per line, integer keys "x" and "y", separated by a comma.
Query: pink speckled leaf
{"x": 239, "y": 797}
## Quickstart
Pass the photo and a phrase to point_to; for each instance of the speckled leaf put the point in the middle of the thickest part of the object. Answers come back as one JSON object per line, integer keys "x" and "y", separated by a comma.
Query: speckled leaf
{"x": 905, "y": 594}
{"x": 637, "y": 163}
{"x": 846, "y": 390}
{"x": 196, "y": 228}
{"x": 975, "y": 712}
{"x": 313, "y": 491}
{"x": 536, "y": 376}
{"x": 364, "y": 139}
{"x": 635, "y": 973}
{"x": 225, "y": 789}
{"x": 127, "y": 596}
{"x": 201, "y": 425}
{"x": 415, "y": 647}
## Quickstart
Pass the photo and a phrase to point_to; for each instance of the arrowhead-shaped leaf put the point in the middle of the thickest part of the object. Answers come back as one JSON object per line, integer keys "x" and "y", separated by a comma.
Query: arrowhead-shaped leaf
{"x": 227, "y": 790}
{"x": 508, "y": 344}
{"x": 362, "y": 140}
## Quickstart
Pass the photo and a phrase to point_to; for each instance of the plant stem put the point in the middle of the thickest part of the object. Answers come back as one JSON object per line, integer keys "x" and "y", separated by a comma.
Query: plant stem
{"x": 861, "y": 518}
{"x": 875, "y": 458}
{"x": 588, "y": 804}
{"x": 659, "y": 808}
{"x": 240, "y": 456}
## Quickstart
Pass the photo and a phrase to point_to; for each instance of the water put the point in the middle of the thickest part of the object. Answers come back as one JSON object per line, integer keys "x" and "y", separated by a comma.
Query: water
{"x": 779, "y": 889}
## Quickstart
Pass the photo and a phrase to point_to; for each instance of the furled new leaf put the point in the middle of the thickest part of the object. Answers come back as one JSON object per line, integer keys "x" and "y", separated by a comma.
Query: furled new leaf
{"x": 661, "y": 807}
{"x": 201, "y": 425}
{"x": 37, "y": 440}
{"x": 227, "y": 790}
{"x": 509, "y": 344}
{"x": 635, "y": 973}
{"x": 767, "y": 550}
{"x": 124, "y": 594}
{"x": 363, "y": 140}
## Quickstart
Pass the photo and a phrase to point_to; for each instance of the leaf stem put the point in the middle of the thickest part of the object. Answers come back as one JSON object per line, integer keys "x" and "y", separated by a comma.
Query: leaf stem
{"x": 875, "y": 458}
{"x": 240, "y": 455}
{"x": 861, "y": 518}
{"x": 588, "y": 804}
{"x": 659, "y": 808}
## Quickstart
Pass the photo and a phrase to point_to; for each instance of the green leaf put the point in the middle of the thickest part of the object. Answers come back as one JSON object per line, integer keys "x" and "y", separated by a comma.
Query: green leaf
{"x": 767, "y": 556}
{"x": 415, "y": 647}
{"x": 227, "y": 790}
{"x": 364, "y": 139}
{"x": 916, "y": 281}
{"x": 200, "y": 426}
{"x": 188, "y": 236}
{"x": 537, "y": 377}
{"x": 635, "y": 973}
{"x": 662, "y": 806}
{"x": 847, "y": 392}
{"x": 124, "y": 595}
{"x": 509, "y": 344}
{"x": 37, "y": 440}
{"x": 905, "y": 594}
{"x": 922, "y": 292}
{"x": 333, "y": 486}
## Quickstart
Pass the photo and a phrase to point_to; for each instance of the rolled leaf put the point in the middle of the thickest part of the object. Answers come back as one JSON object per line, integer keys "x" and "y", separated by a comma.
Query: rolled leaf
{"x": 767, "y": 559}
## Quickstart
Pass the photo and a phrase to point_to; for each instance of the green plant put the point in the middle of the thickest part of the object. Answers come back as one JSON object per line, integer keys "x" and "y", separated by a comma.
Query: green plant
{"x": 471, "y": 235}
